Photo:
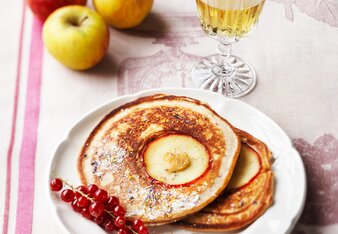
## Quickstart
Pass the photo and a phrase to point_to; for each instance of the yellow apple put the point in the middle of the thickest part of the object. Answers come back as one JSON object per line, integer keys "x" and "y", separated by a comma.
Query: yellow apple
{"x": 76, "y": 36}
{"x": 123, "y": 14}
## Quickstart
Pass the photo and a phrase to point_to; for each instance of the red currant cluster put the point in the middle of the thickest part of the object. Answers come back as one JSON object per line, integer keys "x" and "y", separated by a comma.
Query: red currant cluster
{"x": 95, "y": 204}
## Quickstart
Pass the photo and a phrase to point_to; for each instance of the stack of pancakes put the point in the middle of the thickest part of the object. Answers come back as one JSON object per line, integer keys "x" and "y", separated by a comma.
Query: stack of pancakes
{"x": 174, "y": 159}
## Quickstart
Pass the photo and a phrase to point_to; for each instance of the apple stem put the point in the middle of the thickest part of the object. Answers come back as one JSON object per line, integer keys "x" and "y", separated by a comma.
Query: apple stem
{"x": 86, "y": 17}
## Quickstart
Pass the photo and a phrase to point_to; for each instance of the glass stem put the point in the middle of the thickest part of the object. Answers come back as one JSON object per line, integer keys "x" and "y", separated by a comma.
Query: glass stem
{"x": 225, "y": 50}
{"x": 224, "y": 68}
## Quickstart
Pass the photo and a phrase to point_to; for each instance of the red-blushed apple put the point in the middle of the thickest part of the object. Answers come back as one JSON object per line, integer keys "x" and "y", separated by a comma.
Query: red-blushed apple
{"x": 76, "y": 36}
{"x": 43, "y": 8}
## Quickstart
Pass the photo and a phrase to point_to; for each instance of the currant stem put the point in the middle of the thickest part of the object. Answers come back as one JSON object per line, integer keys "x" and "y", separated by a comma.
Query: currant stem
{"x": 92, "y": 200}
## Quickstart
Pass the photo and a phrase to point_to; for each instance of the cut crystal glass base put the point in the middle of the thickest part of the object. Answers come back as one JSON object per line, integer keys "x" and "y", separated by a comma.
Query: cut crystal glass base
{"x": 230, "y": 76}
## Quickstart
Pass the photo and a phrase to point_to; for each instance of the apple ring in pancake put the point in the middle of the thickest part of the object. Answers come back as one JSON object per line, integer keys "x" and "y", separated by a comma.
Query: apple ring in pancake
{"x": 248, "y": 195}
{"x": 165, "y": 157}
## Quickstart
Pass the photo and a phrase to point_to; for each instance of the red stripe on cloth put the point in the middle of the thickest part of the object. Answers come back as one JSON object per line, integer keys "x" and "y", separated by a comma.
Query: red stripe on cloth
{"x": 24, "y": 213}
{"x": 13, "y": 128}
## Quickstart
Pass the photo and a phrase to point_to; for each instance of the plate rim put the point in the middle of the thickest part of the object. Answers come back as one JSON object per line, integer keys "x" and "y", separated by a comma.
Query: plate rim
{"x": 129, "y": 97}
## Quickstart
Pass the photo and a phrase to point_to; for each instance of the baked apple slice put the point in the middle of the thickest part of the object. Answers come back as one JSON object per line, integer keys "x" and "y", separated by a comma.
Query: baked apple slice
{"x": 247, "y": 167}
{"x": 176, "y": 159}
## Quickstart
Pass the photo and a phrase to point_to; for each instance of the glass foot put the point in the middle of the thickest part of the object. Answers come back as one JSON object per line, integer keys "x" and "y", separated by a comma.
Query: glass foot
{"x": 233, "y": 78}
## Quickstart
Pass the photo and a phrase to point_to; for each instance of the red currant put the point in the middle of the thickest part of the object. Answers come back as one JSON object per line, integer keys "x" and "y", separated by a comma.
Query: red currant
{"x": 82, "y": 202}
{"x": 119, "y": 211}
{"x": 92, "y": 189}
{"x": 101, "y": 195}
{"x": 82, "y": 189}
{"x": 56, "y": 184}
{"x": 96, "y": 209}
{"x": 142, "y": 230}
{"x": 119, "y": 221}
{"x": 67, "y": 195}
{"x": 111, "y": 203}
{"x": 123, "y": 231}
{"x": 106, "y": 217}
{"x": 109, "y": 226}
{"x": 99, "y": 220}
{"x": 77, "y": 195}
{"x": 75, "y": 206}
{"x": 85, "y": 213}
{"x": 137, "y": 223}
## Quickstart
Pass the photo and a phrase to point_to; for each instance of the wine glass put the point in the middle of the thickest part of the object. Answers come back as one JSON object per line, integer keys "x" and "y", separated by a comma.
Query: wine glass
{"x": 227, "y": 21}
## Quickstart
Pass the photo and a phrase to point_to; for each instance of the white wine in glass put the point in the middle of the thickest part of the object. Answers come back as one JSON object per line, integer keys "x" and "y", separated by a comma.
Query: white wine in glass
{"x": 228, "y": 21}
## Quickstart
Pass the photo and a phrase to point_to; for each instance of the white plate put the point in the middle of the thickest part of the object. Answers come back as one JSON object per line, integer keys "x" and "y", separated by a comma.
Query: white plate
{"x": 288, "y": 167}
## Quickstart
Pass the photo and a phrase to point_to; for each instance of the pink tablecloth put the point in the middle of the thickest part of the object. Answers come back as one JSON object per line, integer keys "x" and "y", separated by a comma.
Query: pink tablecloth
{"x": 294, "y": 51}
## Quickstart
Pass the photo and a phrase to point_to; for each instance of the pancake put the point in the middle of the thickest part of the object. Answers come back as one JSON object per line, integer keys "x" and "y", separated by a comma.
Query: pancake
{"x": 248, "y": 195}
{"x": 164, "y": 156}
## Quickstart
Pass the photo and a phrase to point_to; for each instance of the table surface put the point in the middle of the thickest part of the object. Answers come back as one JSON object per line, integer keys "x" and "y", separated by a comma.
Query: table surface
{"x": 294, "y": 51}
